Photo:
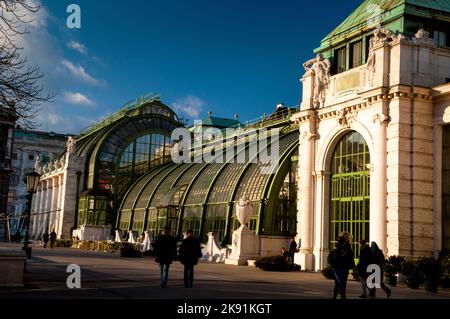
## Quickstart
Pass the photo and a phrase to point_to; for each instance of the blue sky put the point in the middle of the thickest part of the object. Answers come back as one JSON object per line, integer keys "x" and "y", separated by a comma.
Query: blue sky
{"x": 223, "y": 56}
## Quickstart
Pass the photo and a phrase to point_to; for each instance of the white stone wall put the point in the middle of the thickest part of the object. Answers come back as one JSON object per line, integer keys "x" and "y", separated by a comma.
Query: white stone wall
{"x": 55, "y": 200}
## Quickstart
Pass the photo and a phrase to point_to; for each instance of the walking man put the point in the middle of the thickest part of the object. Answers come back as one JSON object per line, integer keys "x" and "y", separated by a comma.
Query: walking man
{"x": 190, "y": 252}
{"x": 378, "y": 259}
{"x": 45, "y": 238}
{"x": 52, "y": 239}
{"x": 165, "y": 252}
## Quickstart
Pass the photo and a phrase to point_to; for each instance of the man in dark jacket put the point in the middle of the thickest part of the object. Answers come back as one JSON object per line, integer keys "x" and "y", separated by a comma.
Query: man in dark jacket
{"x": 341, "y": 262}
{"x": 365, "y": 258}
{"x": 378, "y": 259}
{"x": 52, "y": 239}
{"x": 190, "y": 252}
{"x": 165, "y": 252}
{"x": 45, "y": 238}
{"x": 292, "y": 249}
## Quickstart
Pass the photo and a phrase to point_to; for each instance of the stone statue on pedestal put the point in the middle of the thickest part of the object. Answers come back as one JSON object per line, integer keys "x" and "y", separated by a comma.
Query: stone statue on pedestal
{"x": 319, "y": 67}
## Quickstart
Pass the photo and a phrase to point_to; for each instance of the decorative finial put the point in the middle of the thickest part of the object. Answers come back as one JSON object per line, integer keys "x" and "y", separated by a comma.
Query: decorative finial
{"x": 235, "y": 116}
{"x": 209, "y": 113}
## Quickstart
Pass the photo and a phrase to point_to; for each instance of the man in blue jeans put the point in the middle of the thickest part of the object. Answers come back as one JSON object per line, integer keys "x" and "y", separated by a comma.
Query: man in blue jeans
{"x": 165, "y": 253}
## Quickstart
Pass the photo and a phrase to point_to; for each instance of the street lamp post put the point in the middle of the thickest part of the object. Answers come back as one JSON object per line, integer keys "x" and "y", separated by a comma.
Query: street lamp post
{"x": 32, "y": 185}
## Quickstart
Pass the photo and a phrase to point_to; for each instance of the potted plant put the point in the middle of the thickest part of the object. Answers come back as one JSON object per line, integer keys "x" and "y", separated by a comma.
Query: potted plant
{"x": 393, "y": 267}
{"x": 444, "y": 263}
{"x": 429, "y": 272}
{"x": 410, "y": 270}
{"x": 390, "y": 274}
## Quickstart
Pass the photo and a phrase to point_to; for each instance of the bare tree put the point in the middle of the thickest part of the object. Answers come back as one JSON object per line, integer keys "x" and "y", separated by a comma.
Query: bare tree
{"x": 20, "y": 92}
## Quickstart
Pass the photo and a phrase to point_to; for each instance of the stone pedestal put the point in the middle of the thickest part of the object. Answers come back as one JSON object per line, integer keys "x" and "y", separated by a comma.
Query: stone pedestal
{"x": 12, "y": 265}
{"x": 305, "y": 260}
{"x": 245, "y": 246}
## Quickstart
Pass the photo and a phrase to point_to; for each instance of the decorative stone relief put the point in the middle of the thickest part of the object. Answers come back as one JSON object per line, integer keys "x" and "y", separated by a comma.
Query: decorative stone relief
{"x": 380, "y": 36}
{"x": 380, "y": 118}
{"x": 345, "y": 117}
{"x": 306, "y": 135}
{"x": 319, "y": 67}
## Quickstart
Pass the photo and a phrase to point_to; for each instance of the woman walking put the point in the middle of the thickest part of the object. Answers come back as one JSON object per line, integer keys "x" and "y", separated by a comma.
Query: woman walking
{"x": 189, "y": 254}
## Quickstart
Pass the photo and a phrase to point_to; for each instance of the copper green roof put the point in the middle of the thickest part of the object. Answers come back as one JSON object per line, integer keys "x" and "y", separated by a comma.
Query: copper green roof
{"x": 370, "y": 12}
{"x": 219, "y": 122}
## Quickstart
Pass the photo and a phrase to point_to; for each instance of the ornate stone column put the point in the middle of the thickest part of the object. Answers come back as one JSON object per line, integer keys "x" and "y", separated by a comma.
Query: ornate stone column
{"x": 35, "y": 211}
{"x": 58, "y": 205}
{"x": 48, "y": 204}
{"x": 40, "y": 226}
{"x": 378, "y": 183}
{"x": 52, "y": 214}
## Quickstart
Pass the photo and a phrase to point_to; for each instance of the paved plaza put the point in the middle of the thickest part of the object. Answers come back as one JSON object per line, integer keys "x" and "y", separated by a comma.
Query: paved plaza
{"x": 107, "y": 275}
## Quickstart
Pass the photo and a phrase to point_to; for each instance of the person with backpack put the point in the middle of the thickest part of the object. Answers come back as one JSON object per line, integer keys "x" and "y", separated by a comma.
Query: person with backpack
{"x": 378, "y": 259}
{"x": 189, "y": 253}
{"x": 341, "y": 261}
{"x": 165, "y": 253}
{"x": 365, "y": 258}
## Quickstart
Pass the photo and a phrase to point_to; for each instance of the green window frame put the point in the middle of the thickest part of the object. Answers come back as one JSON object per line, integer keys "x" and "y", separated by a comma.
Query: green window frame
{"x": 350, "y": 189}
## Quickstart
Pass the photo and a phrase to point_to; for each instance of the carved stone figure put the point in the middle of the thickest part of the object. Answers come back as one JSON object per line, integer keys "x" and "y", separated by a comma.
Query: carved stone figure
{"x": 38, "y": 165}
{"x": 71, "y": 143}
{"x": 319, "y": 67}
{"x": 422, "y": 37}
{"x": 381, "y": 35}
{"x": 370, "y": 66}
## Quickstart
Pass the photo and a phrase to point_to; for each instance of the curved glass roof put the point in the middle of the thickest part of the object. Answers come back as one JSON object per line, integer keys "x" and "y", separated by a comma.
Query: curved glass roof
{"x": 150, "y": 112}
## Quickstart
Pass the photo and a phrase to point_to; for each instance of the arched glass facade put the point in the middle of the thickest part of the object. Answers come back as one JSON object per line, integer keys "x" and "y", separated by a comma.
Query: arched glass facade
{"x": 203, "y": 196}
{"x": 119, "y": 150}
{"x": 350, "y": 181}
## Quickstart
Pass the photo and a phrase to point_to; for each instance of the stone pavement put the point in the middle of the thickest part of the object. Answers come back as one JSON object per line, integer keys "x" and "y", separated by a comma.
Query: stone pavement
{"x": 107, "y": 275}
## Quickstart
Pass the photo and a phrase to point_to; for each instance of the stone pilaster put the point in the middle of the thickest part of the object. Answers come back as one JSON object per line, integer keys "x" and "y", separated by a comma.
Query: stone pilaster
{"x": 306, "y": 190}
{"x": 410, "y": 173}
{"x": 321, "y": 218}
{"x": 378, "y": 178}
{"x": 69, "y": 194}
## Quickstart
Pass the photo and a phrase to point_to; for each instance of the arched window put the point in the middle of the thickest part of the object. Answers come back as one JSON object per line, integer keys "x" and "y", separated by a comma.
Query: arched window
{"x": 350, "y": 181}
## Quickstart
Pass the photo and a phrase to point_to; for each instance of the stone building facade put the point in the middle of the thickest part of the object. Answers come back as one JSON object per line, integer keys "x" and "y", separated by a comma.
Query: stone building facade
{"x": 371, "y": 147}
{"x": 28, "y": 148}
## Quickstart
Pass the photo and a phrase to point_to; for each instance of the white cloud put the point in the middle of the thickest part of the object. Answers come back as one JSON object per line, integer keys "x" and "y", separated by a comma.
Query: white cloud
{"x": 78, "y": 99}
{"x": 79, "y": 72}
{"x": 53, "y": 118}
{"x": 77, "y": 46}
{"x": 191, "y": 106}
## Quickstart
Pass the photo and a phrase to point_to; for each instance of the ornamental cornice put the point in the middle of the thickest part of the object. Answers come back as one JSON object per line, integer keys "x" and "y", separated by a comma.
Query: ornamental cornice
{"x": 334, "y": 112}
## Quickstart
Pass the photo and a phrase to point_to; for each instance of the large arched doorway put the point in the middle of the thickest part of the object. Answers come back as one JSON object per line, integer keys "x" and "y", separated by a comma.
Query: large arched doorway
{"x": 349, "y": 190}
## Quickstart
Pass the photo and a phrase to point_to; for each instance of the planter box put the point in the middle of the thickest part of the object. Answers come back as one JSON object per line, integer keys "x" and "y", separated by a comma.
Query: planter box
{"x": 12, "y": 265}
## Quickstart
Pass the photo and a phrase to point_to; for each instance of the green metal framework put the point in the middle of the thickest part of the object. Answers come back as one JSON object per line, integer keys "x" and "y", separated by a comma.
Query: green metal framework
{"x": 120, "y": 149}
{"x": 350, "y": 181}
{"x": 202, "y": 196}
